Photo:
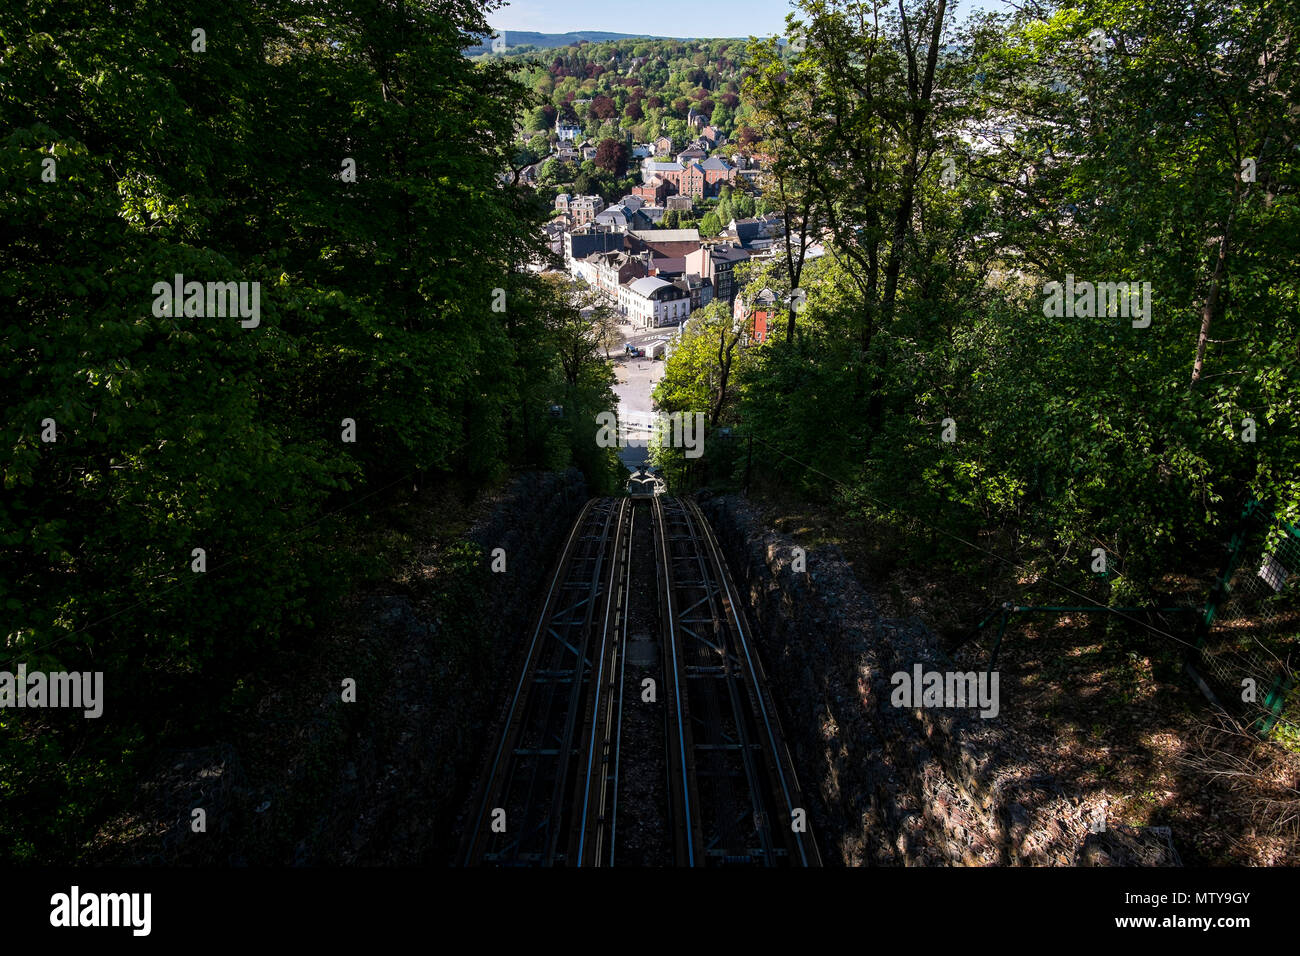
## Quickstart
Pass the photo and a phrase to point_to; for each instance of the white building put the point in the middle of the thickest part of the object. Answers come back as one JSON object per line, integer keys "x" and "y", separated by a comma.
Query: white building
{"x": 652, "y": 302}
{"x": 585, "y": 271}
{"x": 567, "y": 132}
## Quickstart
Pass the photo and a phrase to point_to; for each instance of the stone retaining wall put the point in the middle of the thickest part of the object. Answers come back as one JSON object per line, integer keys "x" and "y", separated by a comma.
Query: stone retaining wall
{"x": 888, "y": 785}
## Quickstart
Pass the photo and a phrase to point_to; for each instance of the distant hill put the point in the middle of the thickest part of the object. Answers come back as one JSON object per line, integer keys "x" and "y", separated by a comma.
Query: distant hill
{"x": 546, "y": 41}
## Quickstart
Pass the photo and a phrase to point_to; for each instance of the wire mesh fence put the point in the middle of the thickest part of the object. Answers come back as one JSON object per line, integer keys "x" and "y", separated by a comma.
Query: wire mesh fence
{"x": 1250, "y": 639}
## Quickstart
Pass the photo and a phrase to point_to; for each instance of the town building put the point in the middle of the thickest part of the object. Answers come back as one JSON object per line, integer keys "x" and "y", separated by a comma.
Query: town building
{"x": 691, "y": 178}
{"x": 653, "y": 191}
{"x": 554, "y": 233}
{"x": 617, "y": 218}
{"x": 581, "y": 243}
{"x": 579, "y": 209}
{"x": 667, "y": 267}
{"x": 755, "y": 235}
{"x": 666, "y": 243}
{"x": 755, "y": 314}
{"x": 584, "y": 270}
{"x": 567, "y": 132}
{"x": 700, "y": 289}
{"x": 652, "y": 302}
{"x": 691, "y": 181}
{"x": 716, "y": 172}
{"x": 651, "y": 216}
{"x": 612, "y": 270}
{"x": 716, "y": 262}
{"x": 661, "y": 169}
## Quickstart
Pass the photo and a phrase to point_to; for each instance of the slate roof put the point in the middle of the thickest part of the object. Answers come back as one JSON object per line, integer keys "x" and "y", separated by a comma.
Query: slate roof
{"x": 616, "y": 216}
{"x": 728, "y": 253}
{"x": 747, "y": 230}
{"x": 668, "y": 235}
{"x": 648, "y": 286}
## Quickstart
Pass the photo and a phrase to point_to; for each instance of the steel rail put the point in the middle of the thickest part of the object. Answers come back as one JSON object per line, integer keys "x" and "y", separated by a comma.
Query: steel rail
{"x": 560, "y": 790}
{"x": 680, "y": 787}
{"x": 734, "y": 794}
{"x": 622, "y": 688}
{"x": 536, "y": 708}
{"x": 561, "y": 567}
{"x": 601, "y": 710}
{"x": 782, "y": 766}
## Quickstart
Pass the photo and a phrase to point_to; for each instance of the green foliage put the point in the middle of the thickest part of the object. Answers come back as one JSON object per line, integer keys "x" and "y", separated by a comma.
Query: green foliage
{"x": 177, "y": 432}
{"x": 1125, "y": 165}
{"x": 698, "y": 379}
{"x": 621, "y": 90}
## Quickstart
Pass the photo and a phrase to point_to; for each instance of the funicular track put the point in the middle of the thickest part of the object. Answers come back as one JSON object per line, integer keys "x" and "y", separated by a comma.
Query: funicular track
{"x": 549, "y": 795}
{"x": 732, "y": 786}
{"x": 729, "y": 795}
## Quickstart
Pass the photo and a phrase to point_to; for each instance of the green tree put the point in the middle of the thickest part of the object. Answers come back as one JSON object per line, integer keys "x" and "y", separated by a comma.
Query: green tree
{"x": 535, "y": 120}
{"x": 391, "y": 310}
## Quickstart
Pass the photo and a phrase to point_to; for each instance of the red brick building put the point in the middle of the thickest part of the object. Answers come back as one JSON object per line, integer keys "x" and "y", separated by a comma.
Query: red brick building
{"x": 652, "y": 192}
{"x": 694, "y": 179}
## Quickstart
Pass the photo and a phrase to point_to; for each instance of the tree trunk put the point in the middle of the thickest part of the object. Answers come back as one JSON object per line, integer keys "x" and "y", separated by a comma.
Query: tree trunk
{"x": 1216, "y": 283}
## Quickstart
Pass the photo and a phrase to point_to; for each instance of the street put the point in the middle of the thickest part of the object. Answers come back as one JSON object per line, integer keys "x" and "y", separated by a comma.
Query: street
{"x": 636, "y": 379}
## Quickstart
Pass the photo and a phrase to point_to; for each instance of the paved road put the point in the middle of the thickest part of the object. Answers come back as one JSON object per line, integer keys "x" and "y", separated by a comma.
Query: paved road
{"x": 636, "y": 377}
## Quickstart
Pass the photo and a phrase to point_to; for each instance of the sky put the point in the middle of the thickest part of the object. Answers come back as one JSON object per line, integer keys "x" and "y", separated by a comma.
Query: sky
{"x": 700, "y": 18}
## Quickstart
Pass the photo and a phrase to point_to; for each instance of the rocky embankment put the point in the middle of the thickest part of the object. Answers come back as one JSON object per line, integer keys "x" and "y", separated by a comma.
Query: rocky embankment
{"x": 897, "y": 785}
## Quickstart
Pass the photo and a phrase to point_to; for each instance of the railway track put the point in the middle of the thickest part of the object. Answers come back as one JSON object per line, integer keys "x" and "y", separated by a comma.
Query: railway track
{"x": 733, "y": 791}
{"x": 729, "y": 794}
{"x": 550, "y": 791}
